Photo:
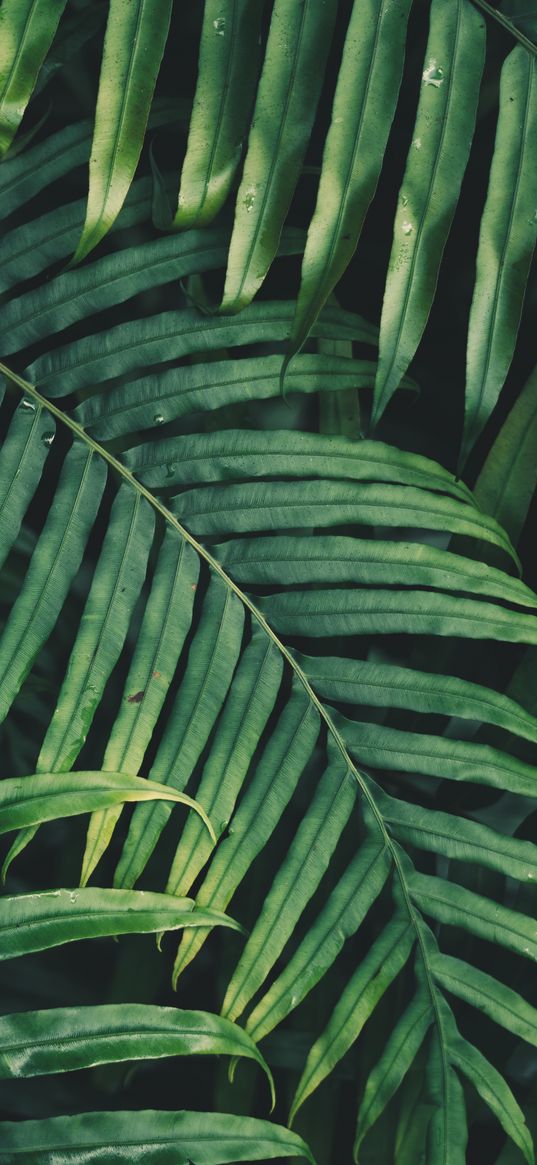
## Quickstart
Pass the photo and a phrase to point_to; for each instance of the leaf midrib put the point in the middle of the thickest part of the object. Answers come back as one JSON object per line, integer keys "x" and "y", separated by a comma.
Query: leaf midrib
{"x": 207, "y": 557}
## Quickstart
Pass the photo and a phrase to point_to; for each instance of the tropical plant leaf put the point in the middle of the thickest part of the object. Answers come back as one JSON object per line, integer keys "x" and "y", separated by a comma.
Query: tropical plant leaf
{"x": 435, "y": 166}
{"x": 34, "y": 1043}
{"x": 215, "y": 701}
{"x": 506, "y": 245}
{"x": 133, "y": 48}
{"x": 368, "y": 84}
{"x": 27, "y": 29}
{"x": 30, "y": 800}
{"x": 287, "y": 96}
{"x": 229, "y": 56}
{"x": 203, "y": 1138}
{"x": 36, "y": 922}
{"x": 508, "y": 477}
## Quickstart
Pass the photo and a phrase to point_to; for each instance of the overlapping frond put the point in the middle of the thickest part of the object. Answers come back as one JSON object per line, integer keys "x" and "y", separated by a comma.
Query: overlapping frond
{"x": 228, "y": 697}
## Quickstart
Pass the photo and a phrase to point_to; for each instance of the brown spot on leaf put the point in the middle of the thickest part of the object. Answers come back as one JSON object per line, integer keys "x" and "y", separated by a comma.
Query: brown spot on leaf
{"x": 136, "y": 698}
{"x": 194, "y": 586}
{"x": 157, "y": 675}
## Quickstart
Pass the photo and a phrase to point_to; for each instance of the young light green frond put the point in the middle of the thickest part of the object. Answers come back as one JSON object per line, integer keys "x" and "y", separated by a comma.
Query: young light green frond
{"x": 26, "y": 801}
{"x": 229, "y": 57}
{"x": 67, "y": 1039}
{"x": 380, "y": 966}
{"x": 366, "y": 95}
{"x": 133, "y": 48}
{"x": 51, "y": 571}
{"x": 506, "y": 245}
{"x": 295, "y": 883}
{"x": 453, "y": 905}
{"x": 285, "y": 561}
{"x": 508, "y": 477}
{"x": 37, "y": 922}
{"x": 27, "y": 29}
{"x": 383, "y": 685}
{"x": 211, "y": 663}
{"x": 287, "y": 95}
{"x": 202, "y": 1138}
{"x": 248, "y": 706}
{"x": 393, "y": 1064}
{"x": 428, "y": 197}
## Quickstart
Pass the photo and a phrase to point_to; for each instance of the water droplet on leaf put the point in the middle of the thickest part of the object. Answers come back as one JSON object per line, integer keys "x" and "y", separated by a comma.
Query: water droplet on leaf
{"x": 158, "y": 419}
{"x": 433, "y": 74}
{"x": 249, "y": 200}
{"x": 219, "y": 26}
{"x": 27, "y": 404}
{"x": 407, "y": 228}
{"x": 47, "y": 438}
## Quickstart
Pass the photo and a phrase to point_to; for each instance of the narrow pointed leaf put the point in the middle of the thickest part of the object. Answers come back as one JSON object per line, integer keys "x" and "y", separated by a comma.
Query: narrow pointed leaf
{"x": 495, "y": 1092}
{"x": 377, "y": 970}
{"x": 236, "y": 454}
{"x": 503, "y": 1005}
{"x": 251, "y": 699}
{"x": 22, "y": 457}
{"x": 43, "y": 592}
{"x": 134, "y": 44}
{"x": 30, "y": 800}
{"x": 295, "y": 883}
{"x": 455, "y": 906}
{"x": 165, "y": 1138}
{"x": 506, "y": 244}
{"x": 343, "y": 913}
{"x": 75, "y": 295}
{"x": 203, "y": 387}
{"x": 229, "y": 55}
{"x": 115, "y": 588}
{"x": 287, "y": 96}
{"x": 36, "y": 922}
{"x": 457, "y": 838}
{"x": 393, "y": 1064}
{"x": 364, "y": 105}
{"x": 385, "y": 685}
{"x": 160, "y": 338}
{"x": 261, "y": 506}
{"x": 34, "y": 1043}
{"x": 437, "y": 756}
{"x": 208, "y": 674}
{"x": 27, "y": 29}
{"x": 508, "y": 478}
{"x": 285, "y": 561}
{"x": 429, "y": 194}
{"x": 276, "y": 776}
{"x": 158, "y": 647}
{"x": 381, "y": 612}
